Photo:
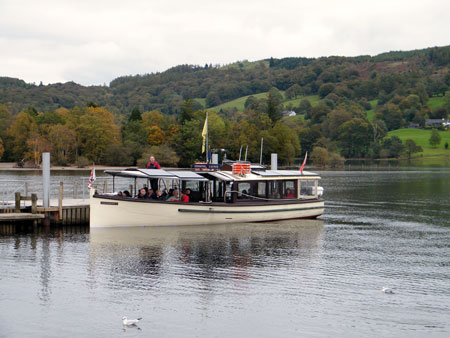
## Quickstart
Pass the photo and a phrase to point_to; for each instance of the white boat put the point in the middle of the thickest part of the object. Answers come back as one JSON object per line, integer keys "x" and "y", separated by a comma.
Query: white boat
{"x": 237, "y": 193}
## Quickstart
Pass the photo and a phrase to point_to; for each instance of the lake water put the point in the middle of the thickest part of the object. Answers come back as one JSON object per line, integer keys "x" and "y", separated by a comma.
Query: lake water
{"x": 314, "y": 278}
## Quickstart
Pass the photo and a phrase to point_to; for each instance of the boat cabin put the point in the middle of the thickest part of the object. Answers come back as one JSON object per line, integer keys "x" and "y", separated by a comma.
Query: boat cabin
{"x": 237, "y": 183}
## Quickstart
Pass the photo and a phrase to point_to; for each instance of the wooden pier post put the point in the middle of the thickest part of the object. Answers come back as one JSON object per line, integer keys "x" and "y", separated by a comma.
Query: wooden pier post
{"x": 105, "y": 185}
{"x": 17, "y": 201}
{"x": 34, "y": 203}
{"x": 75, "y": 190}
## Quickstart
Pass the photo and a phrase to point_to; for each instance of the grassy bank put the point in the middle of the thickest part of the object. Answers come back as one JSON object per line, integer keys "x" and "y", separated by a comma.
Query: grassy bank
{"x": 422, "y": 137}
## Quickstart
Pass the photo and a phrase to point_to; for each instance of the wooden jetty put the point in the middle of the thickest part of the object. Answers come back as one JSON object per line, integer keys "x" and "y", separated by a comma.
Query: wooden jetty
{"x": 74, "y": 211}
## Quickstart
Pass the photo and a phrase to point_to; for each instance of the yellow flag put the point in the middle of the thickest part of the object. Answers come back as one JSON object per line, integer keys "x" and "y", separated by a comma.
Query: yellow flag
{"x": 204, "y": 134}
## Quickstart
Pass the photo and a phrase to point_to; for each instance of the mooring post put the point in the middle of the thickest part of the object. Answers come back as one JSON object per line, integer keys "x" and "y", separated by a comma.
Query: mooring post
{"x": 46, "y": 179}
{"x": 17, "y": 201}
{"x": 26, "y": 188}
{"x": 33, "y": 203}
{"x": 105, "y": 186}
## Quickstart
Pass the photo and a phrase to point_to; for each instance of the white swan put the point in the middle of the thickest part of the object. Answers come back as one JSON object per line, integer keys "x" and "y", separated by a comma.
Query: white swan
{"x": 130, "y": 322}
{"x": 387, "y": 290}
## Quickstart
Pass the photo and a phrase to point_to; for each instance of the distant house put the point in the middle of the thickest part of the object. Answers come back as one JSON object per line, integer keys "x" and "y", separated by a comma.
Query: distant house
{"x": 437, "y": 123}
{"x": 414, "y": 125}
{"x": 289, "y": 113}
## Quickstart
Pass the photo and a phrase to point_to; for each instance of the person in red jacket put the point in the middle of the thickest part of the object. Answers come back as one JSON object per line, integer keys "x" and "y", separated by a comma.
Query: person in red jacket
{"x": 153, "y": 165}
{"x": 184, "y": 197}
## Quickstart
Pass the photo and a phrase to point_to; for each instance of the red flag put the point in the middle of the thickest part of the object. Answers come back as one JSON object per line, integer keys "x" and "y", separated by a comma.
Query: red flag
{"x": 304, "y": 161}
{"x": 92, "y": 177}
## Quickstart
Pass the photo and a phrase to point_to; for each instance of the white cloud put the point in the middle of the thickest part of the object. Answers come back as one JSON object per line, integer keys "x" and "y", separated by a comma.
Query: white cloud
{"x": 93, "y": 42}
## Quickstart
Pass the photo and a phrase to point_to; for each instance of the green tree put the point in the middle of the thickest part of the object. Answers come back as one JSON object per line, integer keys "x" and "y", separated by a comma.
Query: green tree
{"x": 97, "y": 131}
{"x": 392, "y": 147}
{"x": 435, "y": 138}
{"x": 135, "y": 115}
{"x": 62, "y": 140}
{"x": 19, "y": 132}
{"x": 293, "y": 91}
{"x": 319, "y": 156}
{"x": 2, "y": 149}
{"x": 325, "y": 89}
{"x": 274, "y": 104}
{"x": 355, "y": 138}
{"x": 411, "y": 148}
{"x": 212, "y": 99}
{"x": 187, "y": 110}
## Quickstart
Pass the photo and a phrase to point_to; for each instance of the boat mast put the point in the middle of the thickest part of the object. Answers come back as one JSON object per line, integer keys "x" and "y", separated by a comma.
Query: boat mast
{"x": 260, "y": 156}
{"x": 207, "y": 149}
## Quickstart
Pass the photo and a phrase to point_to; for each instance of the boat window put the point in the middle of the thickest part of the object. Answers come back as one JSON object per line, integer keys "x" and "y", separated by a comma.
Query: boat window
{"x": 193, "y": 185}
{"x": 289, "y": 190}
{"x": 274, "y": 189}
{"x": 307, "y": 188}
{"x": 262, "y": 189}
{"x": 244, "y": 189}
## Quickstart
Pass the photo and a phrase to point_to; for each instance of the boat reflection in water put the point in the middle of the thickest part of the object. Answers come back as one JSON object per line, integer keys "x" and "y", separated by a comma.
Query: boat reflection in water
{"x": 204, "y": 251}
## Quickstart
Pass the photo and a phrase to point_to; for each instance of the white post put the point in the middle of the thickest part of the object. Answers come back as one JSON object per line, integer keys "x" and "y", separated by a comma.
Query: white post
{"x": 215, "y": 158}
{"x": 273, "y": 161}
{"x": 46, "y": 179}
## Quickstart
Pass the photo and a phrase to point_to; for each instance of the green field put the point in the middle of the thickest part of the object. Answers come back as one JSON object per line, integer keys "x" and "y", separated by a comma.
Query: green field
{"x": 240, "y": 102}
{"x": 436, "y": 102}
{"x": 313, "y": 99}
{"x": 371, "y": 112}
{"x": 237, "y": 103}
{"x": 421, "y": 137}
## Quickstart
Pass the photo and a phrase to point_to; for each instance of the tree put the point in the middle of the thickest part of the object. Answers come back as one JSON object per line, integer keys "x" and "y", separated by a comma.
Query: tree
{"x": 274, "y": 104}
{"x": 435, "y": 138}
{"x": 135, "y": 115}
{"x": 392, "y": 147}
{"x": 293, "y": 91}
{"x": 355, "y": 137}
{"x": 2, "y": 149}
{"x": 156, "y": 136}
{"x": 212, "y": 99}
{"x": 97, "y": 131}
{"x": 187, "y": 110}
{"x": 411, "y": 148}
{"x": 325, "y": 89}
{"x": 19, "y": 131}
{"x": 319, "y": 156}
{"x": 304, "y": 106}
{"x": 62, "y": 140}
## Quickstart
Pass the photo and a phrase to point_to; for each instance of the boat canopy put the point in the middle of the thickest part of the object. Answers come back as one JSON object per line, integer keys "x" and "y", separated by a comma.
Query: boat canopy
{"x": 282, "y": 173}
{"x": 157, "y": 173}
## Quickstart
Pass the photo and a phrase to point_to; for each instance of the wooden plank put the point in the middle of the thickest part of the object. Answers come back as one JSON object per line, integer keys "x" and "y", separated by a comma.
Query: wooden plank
{"x": 20, "y": 216}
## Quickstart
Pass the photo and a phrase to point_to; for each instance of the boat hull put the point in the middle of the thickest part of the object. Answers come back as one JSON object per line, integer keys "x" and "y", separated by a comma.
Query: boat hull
{"x": 112, "y": 212}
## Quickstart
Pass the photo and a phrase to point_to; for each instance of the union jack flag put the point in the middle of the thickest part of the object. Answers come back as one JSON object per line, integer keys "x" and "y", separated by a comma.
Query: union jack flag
{"x": 92, "y": 177}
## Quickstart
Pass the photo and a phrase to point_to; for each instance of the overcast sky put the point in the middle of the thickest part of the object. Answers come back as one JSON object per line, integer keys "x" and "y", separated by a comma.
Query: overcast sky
{"x": 92, "y": 42}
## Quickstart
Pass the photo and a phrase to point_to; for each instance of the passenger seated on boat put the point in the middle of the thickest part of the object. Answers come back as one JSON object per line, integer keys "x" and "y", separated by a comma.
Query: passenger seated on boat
{"x": 159, "y": 195}
{"x": 275, "y": 194}
{"x": 142, "y": 193}
{"x": 120, "y": 194}
{"x": 126, "y": 193}
{"x": 174, "y": 197}
{"x": 188, "y": 193}
{"x": 243, "y": 194}
{"x": 151, "y": 194}
{"x": 288, "y": 194}
{"x": 184, "y": 197}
